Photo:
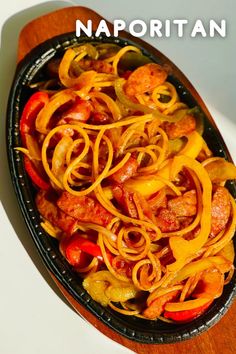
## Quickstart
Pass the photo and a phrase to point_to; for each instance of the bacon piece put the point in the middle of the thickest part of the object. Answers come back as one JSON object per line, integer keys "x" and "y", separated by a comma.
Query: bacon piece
{"x": 100, "y": 66}
{"x": 185, "y": 205}
{"x": 181, "y": 128}
{"x": 46, "y": 205}
{"x": 130, "y": 202}
{"x": 145, "y": 79}
{"x": 125, "y": 172}
{"x": 84, "y": 209}
{"x": 157, "y": 306}
{"x": 167, "y": 221}
{"x": 220, "y": 210}
{"x": 125, "y": 200}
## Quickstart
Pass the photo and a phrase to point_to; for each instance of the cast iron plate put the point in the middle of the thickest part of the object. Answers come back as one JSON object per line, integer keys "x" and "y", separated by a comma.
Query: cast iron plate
{"x": 144, "y": 331}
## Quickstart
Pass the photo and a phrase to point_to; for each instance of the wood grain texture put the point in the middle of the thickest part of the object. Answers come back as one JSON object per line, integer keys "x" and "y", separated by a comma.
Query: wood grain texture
{"x": 219, "y": 339}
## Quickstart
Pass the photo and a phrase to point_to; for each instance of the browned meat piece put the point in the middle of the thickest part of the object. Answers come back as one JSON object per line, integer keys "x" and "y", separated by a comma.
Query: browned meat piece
{"x": 100, "y": 118}
{"x": 84, "y": 209}
{"x": 98, "y": 65}
{"x": 181, "y": 128}
{"x": 167, "y": 221}
{"x": 46, "y": 205}
{"x": 80, "y": 111}
{"x": 155, "y": 309}
{"x": 185, "y": 221}
{"x": 158, "y": 201}
{"x": 145, "y": 79}
{"x": 130, "y": 202}
{"x": 127, "y": 171}
{"x": 220, "y": 210}
{"x": 185, "y": 205}
{"x": 125, "y": 200}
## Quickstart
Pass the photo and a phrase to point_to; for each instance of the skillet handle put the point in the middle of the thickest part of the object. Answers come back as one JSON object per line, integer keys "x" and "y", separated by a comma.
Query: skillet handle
{"x": 53, "y": 24}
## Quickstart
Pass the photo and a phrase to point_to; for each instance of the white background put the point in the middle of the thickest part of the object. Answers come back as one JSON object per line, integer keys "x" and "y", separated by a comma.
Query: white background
{"x": 33, "y": 317}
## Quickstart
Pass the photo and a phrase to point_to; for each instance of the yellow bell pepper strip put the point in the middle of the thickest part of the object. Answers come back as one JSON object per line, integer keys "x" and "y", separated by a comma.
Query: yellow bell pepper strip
{"x": 186, "y": 305}
{"x": 146, "y": 187}
{"x": 202, "y": 264}
{"x": 183, "y": 249}
{"x": 228, "y": 252}
{"x": 49, "y": 109}
{"x": 193, "y": 146}
{"x": 103, "y": 287}
{"x": 149, "y": 186}
{"x": 220, "y": 170}
{"x": 186, "y": 315}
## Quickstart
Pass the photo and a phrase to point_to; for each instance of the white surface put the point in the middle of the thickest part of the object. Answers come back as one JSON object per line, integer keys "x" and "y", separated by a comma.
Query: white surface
{"x": 33, "y": 318}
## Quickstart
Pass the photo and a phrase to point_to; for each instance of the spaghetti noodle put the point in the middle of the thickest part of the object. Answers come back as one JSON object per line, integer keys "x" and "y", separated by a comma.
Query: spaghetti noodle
{"x": 128, "y": 185}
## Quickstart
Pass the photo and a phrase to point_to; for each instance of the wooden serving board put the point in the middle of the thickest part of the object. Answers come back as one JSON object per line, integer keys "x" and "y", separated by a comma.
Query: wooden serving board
{"x": 220, "y": 338}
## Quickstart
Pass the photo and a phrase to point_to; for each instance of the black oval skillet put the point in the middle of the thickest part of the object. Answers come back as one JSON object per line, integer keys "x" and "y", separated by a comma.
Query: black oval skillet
{"x": 144, "y": 331}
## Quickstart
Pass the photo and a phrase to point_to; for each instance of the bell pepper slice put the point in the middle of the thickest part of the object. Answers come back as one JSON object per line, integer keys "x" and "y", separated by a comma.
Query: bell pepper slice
{"x": 187, "y": 315}
{"x": 202, "y": 264}
{"x": 73, "y": 254}
{"x": 86, "y": 246}
{"x": 193, "y": 146}
{"x": 182, "y": 249}
{"x": 187, "y": 305}
{"x": 34, "y": 174}
{"x": 228, "y": 252}
{"x": 221, "y": 170}
{"x": 147, "y": 187}
{"x": 33, "y": 106}
{"x": 73, "y": 246}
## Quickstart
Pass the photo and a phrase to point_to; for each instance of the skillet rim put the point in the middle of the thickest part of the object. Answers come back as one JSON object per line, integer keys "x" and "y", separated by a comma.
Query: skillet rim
{"x": 54, "y": 262}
